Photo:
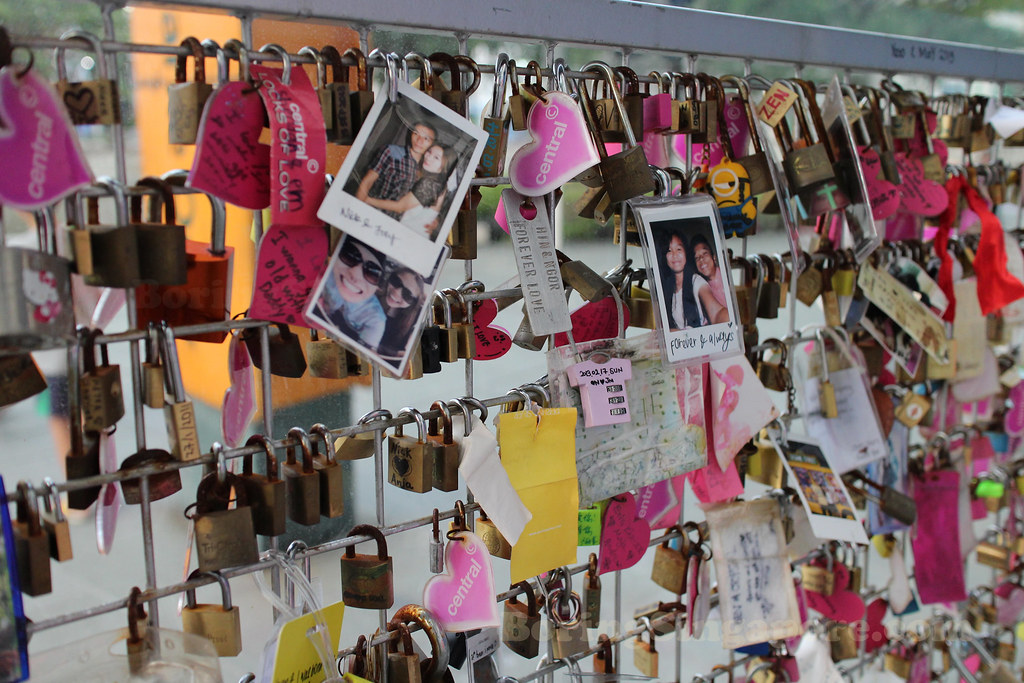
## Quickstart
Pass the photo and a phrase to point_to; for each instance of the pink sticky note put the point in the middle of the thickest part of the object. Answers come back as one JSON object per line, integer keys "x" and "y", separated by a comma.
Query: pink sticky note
{"x": 560, "y": 147}
{"x": 42, "y": 159}
{"x": 624, "y": 536}
{"x": 239, "y": 406}
{"x": 462, "y": 598}
{"x": 299, "y": 149}
{"x": 230, "y": 163}
{"x": 492, "y": 341}
{"x": 288, "y": 265}
{"x": 712, "y": 485}
{"x": 602, "y": 390}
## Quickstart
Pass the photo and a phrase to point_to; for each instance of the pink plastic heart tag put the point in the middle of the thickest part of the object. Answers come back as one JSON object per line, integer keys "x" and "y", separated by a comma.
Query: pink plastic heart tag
{"x": 654, "y": 501}
{"x": 492, "y": 341}
{"x": 595, "y": 320}
{"x": 919, "y": 195}
{"x": 299, "y": 148}
{"x": 42, "y": 159}
{"x": 877, "y": 635}
{"x": 230, "y": 162}
{"x": 462, "y": 598}
{"x": 883, "y": 196}
{"x": 624, "y": 536}
{"x": 560, "y": 147}
{"x": 667, "y": 514}
{"x": 289, "y": 263}
{"x": 110, "y": 496}
{"x": 843, "y": 605}
{"x": 239, "y": 407}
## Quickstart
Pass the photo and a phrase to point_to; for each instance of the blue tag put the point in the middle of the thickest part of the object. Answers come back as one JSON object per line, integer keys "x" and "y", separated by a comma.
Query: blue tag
{"x": 10, "y": 606}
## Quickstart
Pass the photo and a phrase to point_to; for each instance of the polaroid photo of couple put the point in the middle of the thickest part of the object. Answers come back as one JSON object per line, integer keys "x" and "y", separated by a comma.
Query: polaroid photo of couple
{"x": 372, "y": 303}
{"x": 689, "y": 275}
{"x": 403, "y": 182}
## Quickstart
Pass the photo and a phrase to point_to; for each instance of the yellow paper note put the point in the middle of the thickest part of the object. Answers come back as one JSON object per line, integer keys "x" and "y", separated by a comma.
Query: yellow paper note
{"x": 539, "y": 454}
{"x": 297, "y": 658}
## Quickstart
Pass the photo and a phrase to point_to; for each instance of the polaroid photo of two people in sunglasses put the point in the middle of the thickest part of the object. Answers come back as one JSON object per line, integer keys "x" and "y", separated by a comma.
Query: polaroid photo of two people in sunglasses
{"x": 395, "y": 199}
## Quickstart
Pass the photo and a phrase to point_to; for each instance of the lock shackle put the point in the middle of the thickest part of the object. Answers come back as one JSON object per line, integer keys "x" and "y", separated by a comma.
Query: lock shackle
{"x": 79, "y": 36}
{"x": 115, "y": 190}
{"x": 217, "y": 449}
{"x": 300, "y": 434}
{"x": 535, "y": 390}
{"x": 87, "y": 339}
{"x": 683, "y": 537}
{"x": 533, "y": 71}
{"x": 478, "y": 404}
{"x": 474, "y": 69}
{"x": 560, "y": 78}
{"x": 523, "y": 397}
{"x": 820, "y": 337}
{"x": 442, "y": 61}
{"x": 434, "y": 667}
{"x": 403, "y": 635}
{"x": 808, "y": 96}
{"x": 501, "y": 63}
{"x": 164, "y": 196}
{"x": 374, "y": 415}
{"x": 421, "y": 425}
{"x": 325, "y": 435}
{"x": 606, "y": 71}
{"x": 458, "y": 522}
{"x": 662, "y": 79}
{"x": 860, "y": 124}
{"x": 460, "y": 303}
{"x": 332, "y": 58}
{"x": 575, "y": 608}
{"x": 530, "y": 597}
{"x": 375, "y": 534}
{"x": 446, "y": 418}
{"x": 426, "y": 70}
{"x": 225, "y": 589}
{"x": 28, "y": 508}
{"x": 319, "y": 60}
{"x": 774, "y": 343}
{"x": 241, "y": 53}
{"x": 199, "y": 61}
{"x": 152, "y": 345}
{"x": 722, "y": 667}
{"x": 629, "y": 81}
{"x": 446, "y": 308}
{"x": 646, "y": 623}
{"x": 743, "y": 90}
{"x": 136, "y": 613}
{"x": 172, "y": 368}
{"x": 286, "y": 60}
{"x": 467, "y": 415}
{"x": 51, "y": 502}
{"x": 356, "y": 56}
{"x": 268, "y": 450}
{"x": 218, "y": 217}
{"x": 606, "y": 653}
{"x": 662, "y": 181}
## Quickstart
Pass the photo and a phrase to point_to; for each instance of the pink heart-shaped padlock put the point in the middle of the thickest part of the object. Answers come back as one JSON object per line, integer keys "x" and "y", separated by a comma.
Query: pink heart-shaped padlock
{"x": 560, "y": 149}
{"x": 883, "y": 196}
{"x": 463, "y": 597}
{"x": 624, "y": 536}
{"x": 230, "y": 162}
{"x": 42, "y": 160}
{"x": 919, "y": 195}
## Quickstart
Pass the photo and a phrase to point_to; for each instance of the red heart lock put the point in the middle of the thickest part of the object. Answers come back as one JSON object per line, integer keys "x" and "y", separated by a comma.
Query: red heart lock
{"x": 877, "y": 635}
{"x": 843, "y": 605}
{"x": 492, "y": 341}
{"x": 919, "y": 195}
{"x": 594, "y": 320}
{"x": 883, "y": 196}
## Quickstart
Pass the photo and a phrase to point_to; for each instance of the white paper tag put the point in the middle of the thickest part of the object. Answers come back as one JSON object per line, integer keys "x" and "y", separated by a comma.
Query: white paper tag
{"x": 900, "y": 593}
{"x": 814, "y": 660}
{"x": 854, "y": 439}
{"x": 486, "y": 478}
{"x": 482, "y": 645}
{"x": 533, "y": 243}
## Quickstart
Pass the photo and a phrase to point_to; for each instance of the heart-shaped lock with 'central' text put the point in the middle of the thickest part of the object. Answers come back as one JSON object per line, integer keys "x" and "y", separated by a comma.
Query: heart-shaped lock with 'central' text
{"x": 462, "y": 598}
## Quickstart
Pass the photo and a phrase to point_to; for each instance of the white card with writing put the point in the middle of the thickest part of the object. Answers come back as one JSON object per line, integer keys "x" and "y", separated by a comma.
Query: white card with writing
{"x": 853, "y": 439}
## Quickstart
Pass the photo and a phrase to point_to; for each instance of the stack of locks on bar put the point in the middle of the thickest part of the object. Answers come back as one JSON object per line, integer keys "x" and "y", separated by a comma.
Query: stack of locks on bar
{"x": 885, "y": 426}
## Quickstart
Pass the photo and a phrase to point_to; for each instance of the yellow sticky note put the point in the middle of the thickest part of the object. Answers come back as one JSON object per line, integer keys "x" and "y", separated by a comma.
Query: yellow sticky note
{"x": 296, "y": 658}
{"x": 539, "y": 454}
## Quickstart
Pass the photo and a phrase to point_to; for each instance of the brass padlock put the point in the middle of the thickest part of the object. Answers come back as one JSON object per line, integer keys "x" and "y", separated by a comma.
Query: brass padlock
{"x": 220, "y": 624}
{"x": 770, "y": 298}
{"x": 138, "y": 645}
{"x": 326, "y": 358}
{"x": 324, "y": 94}
{"x": 625, "y": 174}
{"x": 286, "y": 358}
{"x": 88, "y": 102}
{"x": 223, "y": 525}
{"x": 114, "y": 248}
{"x": 267, "y": 493}
{"x": 898, "y": 662}
{"x": 645, "y": 654}
{"x": 31, "y": 545}
{"x": 361, "y": 99}
{"x": 756, "y": 164}
{"x": 20, "y": 378}
{"x": 303, "y": 481}
{"x": 185, "y": 100}
{"x": 179, "y": 414}
{"x": 520, "y": 630}
{"x": 55, "y": 523}
{"x": 332, "y": 486}
{"x": 339, "y": 126}
{"x": 582, "y": 278}
{"x": 497, "y": 545}
{"x": 747, "y": 290}
{"x": 444, "y": 450}
{"x": 452, "y": 97}
{"x": 712, "y": 105}
{"x": 567, "y": 636}
{"x": 641, "y": 308}
{"x": 591, "y": 594}
{"x": 463, "y": 237}
{"x": 826, "y": 392}
{"x": 361, "y": 445}
{"x": 523, "y": 97}
{"x": 632, "y": 101}
{"x": 448, "y": 350}
{"x": 842, "y": 640}
{"x": 102, "y": 398}
{"x": 161, "y": 485}
{"x": 153, "y": 371}
{"x": 495, "y": 123}
{"x": 994, "y": 555}
{"x": 765, "y": 465}
{"x": 409, "y": 466}
{"x": 775, "y": 375}
{"x": 670, "y": 565}
{"x": 404, "y": 666}
{"x": 817, "y": 578}
{"x": 367, "y": 581}
{"x": 466, "y": 339}
{"x": 604, "y": 661}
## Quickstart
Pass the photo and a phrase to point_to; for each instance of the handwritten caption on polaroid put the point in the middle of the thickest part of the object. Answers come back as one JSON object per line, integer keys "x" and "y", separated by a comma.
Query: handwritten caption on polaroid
{"x": 709, "y": 341}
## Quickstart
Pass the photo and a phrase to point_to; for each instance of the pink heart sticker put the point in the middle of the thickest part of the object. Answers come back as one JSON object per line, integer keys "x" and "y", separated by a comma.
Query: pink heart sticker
{"x": 560, "y": 147}
{"x": 289, "y": 263}
{"x": 624, "y": 536}
{"x": 230, "y": 163}
{"x": 492, "y": 341}
{"x": 883, "y": 196}
{"x": 462, "y": 598}
{"x": 42, "y": 159}
{"x": 594, "y": 320}
{"x": 239, "y": 407}
{"x": 920, "y": 195}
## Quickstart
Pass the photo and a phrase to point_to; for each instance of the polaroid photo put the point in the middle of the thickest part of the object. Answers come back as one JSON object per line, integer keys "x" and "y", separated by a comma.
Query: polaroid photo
{"x": 403, "y": 182}
{"x": 689, "y": 276}
{"x": 372, "y": 303}
{"x": 825, "y": 498}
